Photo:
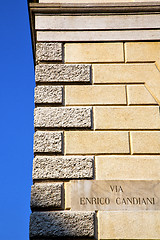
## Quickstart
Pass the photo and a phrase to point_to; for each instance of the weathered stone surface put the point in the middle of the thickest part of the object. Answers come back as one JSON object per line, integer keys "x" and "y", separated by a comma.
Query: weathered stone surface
{"x": 139, "y": 95}
{"x": 127, "y": 167}
{"x": 49, "y": 51}
{"x": 95, "y": 95}
{"x": 48, "y": 141}
{"x": 62, "y": 73}
{"x": 115, "y": 195}
{"x": 147, "y": 73}
{"x": 95, "y": 36}
{"x": 139, "y": 117}
{"x": 142, "y": 52}
{"x": 48, "y": 94}
{"x": 62, "y": 117}
{"x": 146, "y": 142}
{"x": 96, "y": 142}
{"x": 46, "y": 195}
{"x": 61, "y": 224}
{"x": 65, "y": 167}
{"x": 108, "y": 22}
{"x": 93, "y": 52}
{"x": 68, "y": 195}
{"x": 129, "y": 225}
{"x": 124, "y": 73}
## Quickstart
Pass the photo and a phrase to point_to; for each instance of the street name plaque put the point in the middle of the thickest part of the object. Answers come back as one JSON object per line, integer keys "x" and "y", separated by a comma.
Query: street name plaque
{"x": 92, "y": 195}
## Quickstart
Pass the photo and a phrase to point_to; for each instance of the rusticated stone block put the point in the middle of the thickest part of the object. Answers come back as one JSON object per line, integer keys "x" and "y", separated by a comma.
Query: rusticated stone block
{"x": 61, "y": 224}
{"x": 62, "y": 73}
{"x": 48, "y": 94}
{"x": 46, "y": 195}
{"x": 70, "y": 167}
{"x": 49, "y": 51}
{"x": 48, "y": 141}
{"x": 62, "y": 117}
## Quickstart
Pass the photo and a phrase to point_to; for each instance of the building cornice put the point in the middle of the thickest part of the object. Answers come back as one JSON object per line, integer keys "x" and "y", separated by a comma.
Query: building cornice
{"x": 88, "y": 9}
{"x": 95, "y": 7}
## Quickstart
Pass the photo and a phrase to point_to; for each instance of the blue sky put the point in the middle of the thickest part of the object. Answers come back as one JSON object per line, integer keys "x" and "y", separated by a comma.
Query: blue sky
{"x": 17, "y": 104}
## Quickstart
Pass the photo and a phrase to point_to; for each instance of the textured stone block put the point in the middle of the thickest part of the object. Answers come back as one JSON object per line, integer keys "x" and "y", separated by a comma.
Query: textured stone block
{"x": 139, "y": 95}
{"x": 65, "y": 167}
{"x": 93, "y": 52}
{"x": 145, "y": 142}
{"x": 127, "y": 117}
{"x": 49, "y": 51}
{"x": 46, "y": 195}
{"x": 48, "y": 142}
{"x": 124, "y": 73}
{"x": 62, "y": 73}
{"x": 67, "y": 117}
{"x": 95, "y": 95}
{"x": 127, "y": 167}
{"x": 89, "y": 142}
{"x": 61, "y": 224}
{"x": 129, "y": 225}
{"x": 48, "y": 94}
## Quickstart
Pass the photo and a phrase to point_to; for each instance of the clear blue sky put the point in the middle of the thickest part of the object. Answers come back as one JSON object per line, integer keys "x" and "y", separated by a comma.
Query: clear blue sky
{"x": 16, "y": 139}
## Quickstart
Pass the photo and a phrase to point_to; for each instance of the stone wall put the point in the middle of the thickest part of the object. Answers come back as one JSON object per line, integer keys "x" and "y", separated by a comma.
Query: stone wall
{"x": 97, "y": 118}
